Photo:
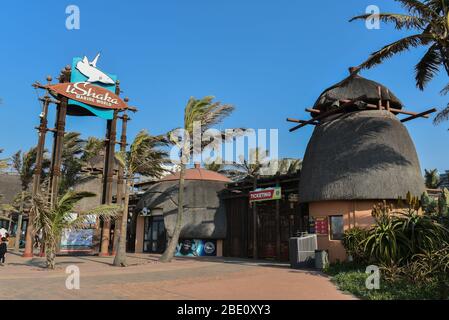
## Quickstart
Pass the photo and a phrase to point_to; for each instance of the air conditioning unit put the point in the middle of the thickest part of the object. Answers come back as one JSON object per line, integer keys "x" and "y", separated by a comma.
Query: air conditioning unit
{"x": 302, "y": 251}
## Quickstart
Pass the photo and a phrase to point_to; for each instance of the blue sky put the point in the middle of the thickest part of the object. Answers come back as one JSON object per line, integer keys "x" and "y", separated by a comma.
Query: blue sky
{"x": 271, "y": 59}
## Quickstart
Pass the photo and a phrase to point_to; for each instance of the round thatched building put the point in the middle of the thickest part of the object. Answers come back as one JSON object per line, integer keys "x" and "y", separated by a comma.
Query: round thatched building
{"x": 204, "y": 220}
{"x": 355, "y": 159}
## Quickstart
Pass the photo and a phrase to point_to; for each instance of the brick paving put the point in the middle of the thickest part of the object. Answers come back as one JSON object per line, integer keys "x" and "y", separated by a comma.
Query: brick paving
{"x": 147, "y": 279}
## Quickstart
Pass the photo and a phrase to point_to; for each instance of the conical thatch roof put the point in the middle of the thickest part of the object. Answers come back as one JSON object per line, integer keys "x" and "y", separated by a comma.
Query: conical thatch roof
{"x": 360, "y": 155}
{"x": 355, "y": 87}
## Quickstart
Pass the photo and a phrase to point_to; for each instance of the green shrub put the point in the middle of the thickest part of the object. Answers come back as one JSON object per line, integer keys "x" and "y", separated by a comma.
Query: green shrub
{"x": 386, "y": 242}
{"x": 353, "y": 242}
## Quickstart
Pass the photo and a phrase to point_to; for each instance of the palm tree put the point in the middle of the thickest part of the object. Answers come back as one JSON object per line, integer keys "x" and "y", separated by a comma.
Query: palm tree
{"x": 24, "y": 164}
{"x": 3, "y": 162}
{"x": 145, "y": 158}
{"x": 71, "y": 163}
{"x": 206, "y": 113}
{"x": 289, "y": 166}
{"x": 429, "y": 19}
{"x": 432, "y": 178}
{"x": 51, "y": 221}
{"x": 92, "y": 148}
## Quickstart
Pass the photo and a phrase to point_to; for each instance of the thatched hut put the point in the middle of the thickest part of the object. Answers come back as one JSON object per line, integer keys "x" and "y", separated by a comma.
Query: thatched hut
{"x": 204, "y": 217}
{"x": 355, "y": 159}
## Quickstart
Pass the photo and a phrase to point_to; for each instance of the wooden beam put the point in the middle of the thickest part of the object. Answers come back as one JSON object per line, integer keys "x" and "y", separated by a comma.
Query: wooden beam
{"x": 323, "y": 115}
{"x": 300, "y": 121}
{"x": 374, "y": 107}
{"x": 313, "y": 110}
{"x": 419, "y": 115}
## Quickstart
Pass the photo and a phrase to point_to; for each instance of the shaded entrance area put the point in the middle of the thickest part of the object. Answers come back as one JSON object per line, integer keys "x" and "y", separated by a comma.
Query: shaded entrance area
{"x": 261, "y": 230}
{"x": 155, "y": 235}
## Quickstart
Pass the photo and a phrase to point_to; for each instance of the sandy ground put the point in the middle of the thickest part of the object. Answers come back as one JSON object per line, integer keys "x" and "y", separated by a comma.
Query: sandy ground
{"x": 146, "y": 278}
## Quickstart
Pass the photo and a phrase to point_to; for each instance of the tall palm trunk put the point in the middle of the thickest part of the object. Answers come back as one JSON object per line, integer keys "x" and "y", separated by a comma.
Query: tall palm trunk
{"x": 19, "y": 223}
{"x": 170, "y": 251}
{"x": 120, "y": 257}
{"x": 50, "y": 254}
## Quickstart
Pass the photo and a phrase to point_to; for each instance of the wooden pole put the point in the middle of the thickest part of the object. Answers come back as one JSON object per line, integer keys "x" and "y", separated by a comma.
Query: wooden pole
{"x": 278, "y": 225}
{"x": 255, "y": 224}
{"x": 58, "y": 140}
{"x": 108, "y": 176}
{"x": 419, "y": 115}
{"x": 388, "y": 100}
{"x": 29, "y": 236}
{"x": 120, "y": 182}
{"x": 379, "y": 92}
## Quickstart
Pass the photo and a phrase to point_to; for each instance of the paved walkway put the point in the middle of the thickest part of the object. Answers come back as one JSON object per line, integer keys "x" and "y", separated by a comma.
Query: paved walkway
{"x": 146, "y": 278}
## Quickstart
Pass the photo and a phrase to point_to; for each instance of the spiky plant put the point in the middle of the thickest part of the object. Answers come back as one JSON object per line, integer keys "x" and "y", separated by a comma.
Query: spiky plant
{"x": 52, "y": 221}
{"x": 432, "y": 178}
{"x": 145, "y": 158}
{"x": 207, "y": 113}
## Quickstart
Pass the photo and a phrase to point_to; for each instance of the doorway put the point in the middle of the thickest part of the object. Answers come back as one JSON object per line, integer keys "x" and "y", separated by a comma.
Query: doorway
{"x": 155, "y": 235}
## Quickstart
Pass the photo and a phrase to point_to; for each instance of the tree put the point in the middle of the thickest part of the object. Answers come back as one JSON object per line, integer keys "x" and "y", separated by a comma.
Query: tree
{"x": 53, "y": 220}
{"x": 3, "y": 162}
{"x": 432, "y": 178}
{"x": 197, "y": 111}
{"x": 24, "y": 164}
{"x": 429, "y": 19}
{"x": 145, "y": 158}
{"x": 71, "y": 163}
{"x": 92, "y": 148}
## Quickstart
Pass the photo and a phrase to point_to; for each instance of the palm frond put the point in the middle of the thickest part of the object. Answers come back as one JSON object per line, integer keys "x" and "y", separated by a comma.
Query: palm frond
{"x": 445, "y": 90}
{"x": 396, "y": 47}
{"x": 401, "y": 21}
{"x": 443, "y": 115}
{"x": 428, "y": 66}
{"x": 419, "y": 8}
{"x": 67, "y": 202}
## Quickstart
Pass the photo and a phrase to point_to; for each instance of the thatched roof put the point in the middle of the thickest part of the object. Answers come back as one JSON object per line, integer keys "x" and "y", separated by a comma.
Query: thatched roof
{"x": 198, "y": 173}
{"x": 360, "y": 155}
{"x": 10, "y": 186}
{"x": 355, "y": 87}
{"x": 204, "y": 217}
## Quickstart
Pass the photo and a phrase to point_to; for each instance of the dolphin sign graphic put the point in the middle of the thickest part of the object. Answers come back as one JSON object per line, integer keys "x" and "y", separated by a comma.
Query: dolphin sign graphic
{"x": 93, "y": 74}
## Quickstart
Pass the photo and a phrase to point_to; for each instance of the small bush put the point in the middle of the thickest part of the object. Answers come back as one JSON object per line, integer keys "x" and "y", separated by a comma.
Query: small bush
{"x": 353, "y": 242}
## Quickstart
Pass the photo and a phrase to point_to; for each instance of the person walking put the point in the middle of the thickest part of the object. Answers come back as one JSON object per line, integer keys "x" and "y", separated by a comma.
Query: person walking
{"x": 3, "y": 250}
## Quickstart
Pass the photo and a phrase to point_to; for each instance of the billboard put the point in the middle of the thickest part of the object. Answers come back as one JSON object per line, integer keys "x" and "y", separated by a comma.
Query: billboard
{"x": 196, "y": 248}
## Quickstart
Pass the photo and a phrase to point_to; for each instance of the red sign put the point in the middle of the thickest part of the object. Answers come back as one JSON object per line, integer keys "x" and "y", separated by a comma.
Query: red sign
{"x": 264, "y": 195}
{"x": 321, "y": 226}
{"x": 89, "y": 94}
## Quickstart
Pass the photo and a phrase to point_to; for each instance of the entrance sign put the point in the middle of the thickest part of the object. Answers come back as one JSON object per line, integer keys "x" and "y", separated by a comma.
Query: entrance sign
{"x": 265, "y": 195}
{"x": 90, "y": 70}
{"x": 89, "y": 94}
{"x": 84, "y": 70}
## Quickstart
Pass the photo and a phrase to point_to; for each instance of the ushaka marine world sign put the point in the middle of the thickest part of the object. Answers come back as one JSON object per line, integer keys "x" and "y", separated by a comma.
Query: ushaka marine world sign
{"x": 87, "y": 93}
{"x": 91, "y": 91}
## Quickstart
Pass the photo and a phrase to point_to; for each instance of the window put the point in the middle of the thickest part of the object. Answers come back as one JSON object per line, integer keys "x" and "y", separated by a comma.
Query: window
{"x": 337, "y": 227}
